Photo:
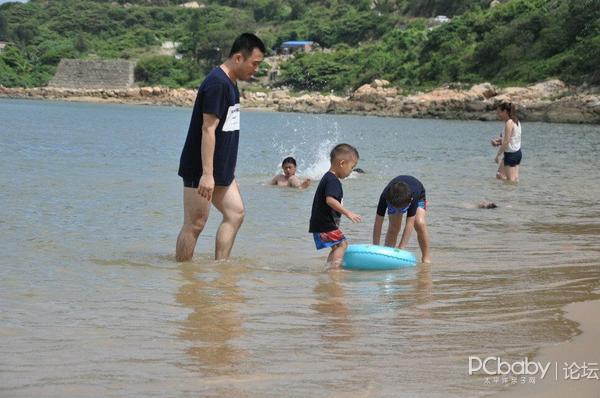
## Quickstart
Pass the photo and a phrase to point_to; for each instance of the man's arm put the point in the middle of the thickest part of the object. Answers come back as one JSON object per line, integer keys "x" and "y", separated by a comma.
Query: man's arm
{"x": 297, "y": 182}
{"x": 207, "y": 180}
{"x": 294, "y": 181}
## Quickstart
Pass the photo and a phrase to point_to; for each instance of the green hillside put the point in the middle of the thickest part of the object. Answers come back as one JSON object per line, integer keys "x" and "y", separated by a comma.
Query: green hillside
{"x": 516, "y": 42}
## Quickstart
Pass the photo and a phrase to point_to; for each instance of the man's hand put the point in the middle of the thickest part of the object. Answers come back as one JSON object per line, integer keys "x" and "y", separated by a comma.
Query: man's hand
{"x": 206, "y": 186}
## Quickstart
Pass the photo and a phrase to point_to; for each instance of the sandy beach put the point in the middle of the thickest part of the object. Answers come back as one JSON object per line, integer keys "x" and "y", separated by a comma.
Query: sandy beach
{"x": 582, "y": 349}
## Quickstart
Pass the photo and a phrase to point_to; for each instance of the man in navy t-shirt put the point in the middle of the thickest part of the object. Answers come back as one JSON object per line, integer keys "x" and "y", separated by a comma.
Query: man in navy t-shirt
{"x": 209, "y": 155}
{"x": 404, "y": 194}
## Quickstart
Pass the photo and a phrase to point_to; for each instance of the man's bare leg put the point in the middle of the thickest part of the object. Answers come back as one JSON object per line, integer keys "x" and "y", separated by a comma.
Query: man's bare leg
{"x": 195, "y": 215}
{"x": 228, "y": 201}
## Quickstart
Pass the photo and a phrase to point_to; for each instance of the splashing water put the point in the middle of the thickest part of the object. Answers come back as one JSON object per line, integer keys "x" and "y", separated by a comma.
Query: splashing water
{"x": 321, "y": 162}
{"x": 316, "y": 162}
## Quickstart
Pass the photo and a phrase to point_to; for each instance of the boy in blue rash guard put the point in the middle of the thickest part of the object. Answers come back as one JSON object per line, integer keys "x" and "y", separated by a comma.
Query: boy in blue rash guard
{"x": 327, "y": 207}
{"x": 404, "y": 194}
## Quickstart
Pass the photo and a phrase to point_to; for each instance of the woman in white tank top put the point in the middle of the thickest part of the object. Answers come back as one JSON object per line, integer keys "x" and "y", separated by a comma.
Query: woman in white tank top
{"x": 514, "y": 144}
{"x": 511, "y": 142}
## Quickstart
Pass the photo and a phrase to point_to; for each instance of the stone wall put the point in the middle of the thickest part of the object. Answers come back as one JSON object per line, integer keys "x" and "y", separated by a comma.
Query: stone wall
{"x": 93, "y": 74}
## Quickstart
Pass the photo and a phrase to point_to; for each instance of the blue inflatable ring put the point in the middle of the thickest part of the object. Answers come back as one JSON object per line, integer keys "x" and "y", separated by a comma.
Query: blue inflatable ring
{"x": 373, "y": 257}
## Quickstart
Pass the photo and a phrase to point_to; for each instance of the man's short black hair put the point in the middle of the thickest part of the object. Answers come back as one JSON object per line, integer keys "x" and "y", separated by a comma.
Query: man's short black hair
{"x": 343, "y": 150}
{"x": 399, "y": 195}
{"x": 245, "y": 44}
{"x": 288, "y": 160}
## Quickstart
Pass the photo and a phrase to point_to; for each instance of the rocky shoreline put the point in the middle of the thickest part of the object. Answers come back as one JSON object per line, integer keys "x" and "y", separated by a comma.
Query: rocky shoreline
{"x": 551, "y": 101}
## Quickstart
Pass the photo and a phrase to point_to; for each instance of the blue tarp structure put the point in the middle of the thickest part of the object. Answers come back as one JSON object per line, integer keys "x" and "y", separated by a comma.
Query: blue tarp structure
{"x": 291, "y": 44}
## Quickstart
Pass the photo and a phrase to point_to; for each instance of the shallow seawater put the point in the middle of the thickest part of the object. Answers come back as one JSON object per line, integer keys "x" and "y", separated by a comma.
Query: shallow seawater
{"x": 93, "y": 304}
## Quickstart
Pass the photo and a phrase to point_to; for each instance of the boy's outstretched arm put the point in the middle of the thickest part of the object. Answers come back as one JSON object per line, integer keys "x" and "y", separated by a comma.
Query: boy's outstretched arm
{"x": 408, "y": 228}
{"x": 337, "y": 206}
{"x": 377, "y": 229}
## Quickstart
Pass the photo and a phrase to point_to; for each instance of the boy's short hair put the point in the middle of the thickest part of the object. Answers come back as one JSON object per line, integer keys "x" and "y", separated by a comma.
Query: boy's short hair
{"x": 245, "y": 44}
{"x": 399, "y": 195}
{"x": 289, "y": 159}
{"x": 341, "y": 150}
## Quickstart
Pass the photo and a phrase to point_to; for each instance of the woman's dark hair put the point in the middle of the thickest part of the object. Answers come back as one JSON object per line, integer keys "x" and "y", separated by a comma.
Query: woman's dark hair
{"x": 289, "y": 160}
{"x": 399, "y": 195}
{"x": 511, "y": 109}
{"x": 245, "y": 44}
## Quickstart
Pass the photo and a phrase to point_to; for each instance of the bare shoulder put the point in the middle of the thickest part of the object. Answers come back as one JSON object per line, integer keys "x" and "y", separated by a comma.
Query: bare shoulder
{"x": 294, "y": 181}
{"x": 298, "y": 182}
{"x": 278, "y": 179}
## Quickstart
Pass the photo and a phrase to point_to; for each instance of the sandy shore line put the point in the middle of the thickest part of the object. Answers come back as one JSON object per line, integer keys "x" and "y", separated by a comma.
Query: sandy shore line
{"x": 582, "y": 349}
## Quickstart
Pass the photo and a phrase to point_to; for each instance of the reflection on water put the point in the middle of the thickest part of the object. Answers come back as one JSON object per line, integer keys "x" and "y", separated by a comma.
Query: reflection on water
{"x": 332, "y": 304}
{"x": 423, "y": 290}
{"x": 93, "y": 305}
{"x": 214, "y": 321}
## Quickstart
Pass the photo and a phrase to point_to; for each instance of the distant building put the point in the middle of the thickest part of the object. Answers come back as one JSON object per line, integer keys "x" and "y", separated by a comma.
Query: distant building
{"x": 94, "y": 74}
{"x": 3, "y": 45}
{"x": 193, "y": 4}
{"x": 170, "y": 48}
{"x": 438, "y": 21}
{"x": 288, "y": 47}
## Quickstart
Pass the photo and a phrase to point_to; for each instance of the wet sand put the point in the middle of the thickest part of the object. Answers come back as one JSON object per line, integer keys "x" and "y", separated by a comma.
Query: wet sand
{"x": 583, "y": 348}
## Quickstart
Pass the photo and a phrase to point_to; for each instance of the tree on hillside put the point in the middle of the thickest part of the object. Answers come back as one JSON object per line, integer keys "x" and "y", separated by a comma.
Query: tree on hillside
{"x": 431, "y": 8}
{"x": 3, "y": 27}
{"x": 81, "y": 44}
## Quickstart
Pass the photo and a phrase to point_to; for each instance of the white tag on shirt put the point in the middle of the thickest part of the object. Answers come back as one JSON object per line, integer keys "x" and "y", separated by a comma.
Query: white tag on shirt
{"x": 232, "y": 122}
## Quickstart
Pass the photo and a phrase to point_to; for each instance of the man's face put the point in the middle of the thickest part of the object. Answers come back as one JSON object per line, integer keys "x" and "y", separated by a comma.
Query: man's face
{"x": 247, "y": 67}
{"x": 289, "y": 169}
